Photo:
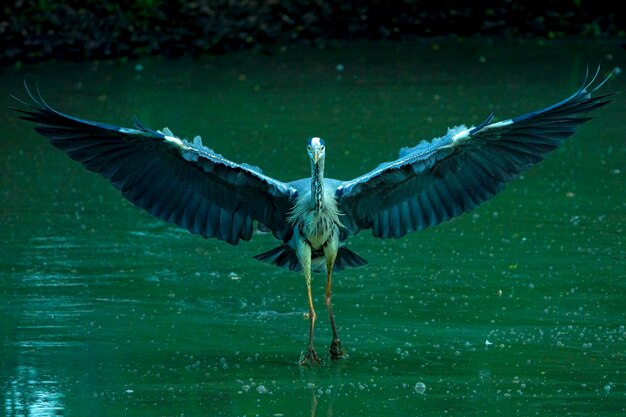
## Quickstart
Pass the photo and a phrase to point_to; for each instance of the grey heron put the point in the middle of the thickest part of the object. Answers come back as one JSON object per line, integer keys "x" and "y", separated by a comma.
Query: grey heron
{"x": 186, "y": 183}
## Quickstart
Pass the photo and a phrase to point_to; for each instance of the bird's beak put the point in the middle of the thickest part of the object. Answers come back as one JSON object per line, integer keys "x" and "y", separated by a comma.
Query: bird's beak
{"x": 316, "y": 155}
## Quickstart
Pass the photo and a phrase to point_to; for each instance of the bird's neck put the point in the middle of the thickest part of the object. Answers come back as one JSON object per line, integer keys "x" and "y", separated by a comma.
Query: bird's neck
{"x": 317, "y": 185}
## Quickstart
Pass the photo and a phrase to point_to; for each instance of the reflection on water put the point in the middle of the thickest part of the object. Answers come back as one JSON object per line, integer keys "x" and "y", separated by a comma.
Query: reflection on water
{"x": 314, "y": 402}
{"x": 515, "y": 309}
{"x": 28, "y": 393}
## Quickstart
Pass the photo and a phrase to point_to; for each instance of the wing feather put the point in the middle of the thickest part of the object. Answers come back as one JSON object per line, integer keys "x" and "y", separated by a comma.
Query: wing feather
{"x": 181, "y": 182}
{"x": 438, "y": 180}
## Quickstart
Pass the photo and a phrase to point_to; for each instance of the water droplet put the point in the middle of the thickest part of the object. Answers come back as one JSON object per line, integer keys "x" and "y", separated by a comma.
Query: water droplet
{"x": 420, "y": 388}
{"x": 261, "y": 389}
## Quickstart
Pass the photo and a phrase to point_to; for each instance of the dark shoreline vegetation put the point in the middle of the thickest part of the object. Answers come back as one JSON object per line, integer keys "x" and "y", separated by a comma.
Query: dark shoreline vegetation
{"x": 37, "y": 30}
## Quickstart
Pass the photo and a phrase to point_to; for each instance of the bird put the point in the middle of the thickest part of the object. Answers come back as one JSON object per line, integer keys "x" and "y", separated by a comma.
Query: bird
{"x": 186, "y": 183}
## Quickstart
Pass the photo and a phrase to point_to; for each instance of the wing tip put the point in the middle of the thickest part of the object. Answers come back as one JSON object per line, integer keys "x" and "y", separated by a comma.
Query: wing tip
{"x": 586, "y": 87}
{"x": 34, "y": 104}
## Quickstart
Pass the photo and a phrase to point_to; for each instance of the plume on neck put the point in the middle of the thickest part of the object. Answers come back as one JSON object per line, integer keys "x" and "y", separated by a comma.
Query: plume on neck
{"x": 317, "y": 184}
{"x": 315, "y": 224}
{"x": 316, "y": 213}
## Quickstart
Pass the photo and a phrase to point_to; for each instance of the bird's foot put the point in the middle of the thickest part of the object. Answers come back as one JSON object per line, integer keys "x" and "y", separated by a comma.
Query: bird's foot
{"x": 336, "y": 351}
{"x": 309, "y": 357}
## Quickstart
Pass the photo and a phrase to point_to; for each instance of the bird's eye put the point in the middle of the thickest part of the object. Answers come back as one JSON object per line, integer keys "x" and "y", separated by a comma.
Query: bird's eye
{"x": 308, "y": 148}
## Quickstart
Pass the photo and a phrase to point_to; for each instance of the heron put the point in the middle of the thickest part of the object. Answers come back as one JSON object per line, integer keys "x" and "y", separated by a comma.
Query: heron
{"x": 186, "y": 183}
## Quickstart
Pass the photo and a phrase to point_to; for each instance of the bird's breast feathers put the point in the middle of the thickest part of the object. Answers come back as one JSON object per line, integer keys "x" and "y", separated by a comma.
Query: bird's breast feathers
{"x": 317, "y": 226}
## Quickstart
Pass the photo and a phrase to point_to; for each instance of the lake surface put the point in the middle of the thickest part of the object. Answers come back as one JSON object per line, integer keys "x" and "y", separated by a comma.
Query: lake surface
{"x": 518, "y": 308}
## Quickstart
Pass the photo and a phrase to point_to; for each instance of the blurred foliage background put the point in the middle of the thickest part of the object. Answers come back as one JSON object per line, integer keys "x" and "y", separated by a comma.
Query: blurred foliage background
{"x": 33, "y": 30}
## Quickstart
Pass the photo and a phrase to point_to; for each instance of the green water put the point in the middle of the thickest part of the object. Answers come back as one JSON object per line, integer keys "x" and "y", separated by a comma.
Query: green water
{"x": 516, "y": 309}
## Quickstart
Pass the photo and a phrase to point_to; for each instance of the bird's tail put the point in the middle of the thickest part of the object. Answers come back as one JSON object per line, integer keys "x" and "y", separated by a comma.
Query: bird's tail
{"x": 285, "y": 257}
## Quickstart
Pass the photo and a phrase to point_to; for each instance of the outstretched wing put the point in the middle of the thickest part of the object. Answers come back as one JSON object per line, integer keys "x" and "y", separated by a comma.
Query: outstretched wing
{"x": 176, "y": 180}
{"x": 437, "y": 180}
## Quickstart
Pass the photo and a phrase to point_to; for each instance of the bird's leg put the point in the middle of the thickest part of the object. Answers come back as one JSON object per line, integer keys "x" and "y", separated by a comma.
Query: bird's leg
{"x": 304, "y": 253}
{"x": 335, "y": 346}
{"x": 330, "y": 253}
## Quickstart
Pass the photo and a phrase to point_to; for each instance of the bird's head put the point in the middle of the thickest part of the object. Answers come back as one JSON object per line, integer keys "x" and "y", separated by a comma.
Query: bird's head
{"x": 316, "y": 149}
